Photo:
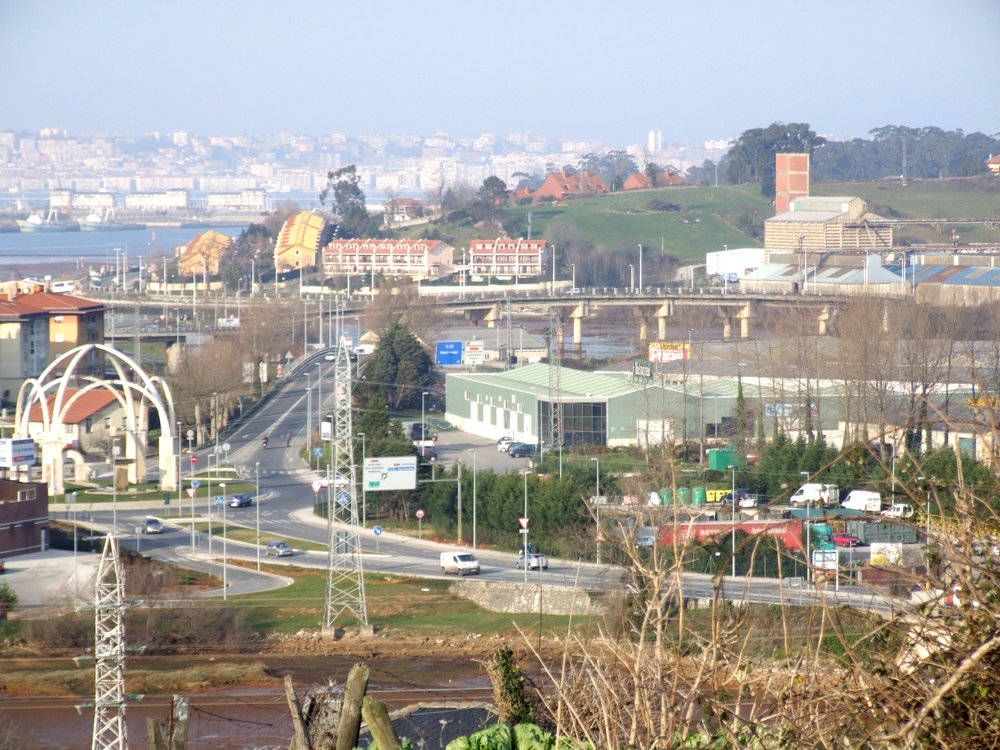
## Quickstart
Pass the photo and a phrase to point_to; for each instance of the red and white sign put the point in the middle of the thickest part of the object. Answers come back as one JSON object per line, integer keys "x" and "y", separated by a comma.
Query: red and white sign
{"x": 191, "y": 491}
{"x": 194, "y": 459}
{"x": 523, "y": 520}
{"x": 420, "y": 513}
{"x": 317, "y": 486}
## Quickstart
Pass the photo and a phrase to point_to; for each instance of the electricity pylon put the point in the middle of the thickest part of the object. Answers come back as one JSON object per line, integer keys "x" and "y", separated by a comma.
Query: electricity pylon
{"x": 109, "y": 652}
{"x": 346, "y": 583}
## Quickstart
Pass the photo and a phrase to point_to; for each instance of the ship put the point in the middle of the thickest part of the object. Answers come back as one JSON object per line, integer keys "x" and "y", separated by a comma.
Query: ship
{"x": 106, "y": 222}
{"x": 54, "y": 222}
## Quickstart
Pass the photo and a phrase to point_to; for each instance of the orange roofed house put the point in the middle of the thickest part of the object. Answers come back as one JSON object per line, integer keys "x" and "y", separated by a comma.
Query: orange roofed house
{"x": 91, "y": 417}
{"x": 560, "y": 186}
{"x": 668, "y": 177}
{"x": 299, "y": 241}
{"x": 417, "y": 259}
{"x": 203, "y": 254}
{"x": 507, "y": 258}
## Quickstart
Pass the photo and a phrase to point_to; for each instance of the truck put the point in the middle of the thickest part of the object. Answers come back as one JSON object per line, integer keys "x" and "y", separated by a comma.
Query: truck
{"x": 817, "y": 494}
{"x": 462, "y": 563}
{"x": 864, "y": 500}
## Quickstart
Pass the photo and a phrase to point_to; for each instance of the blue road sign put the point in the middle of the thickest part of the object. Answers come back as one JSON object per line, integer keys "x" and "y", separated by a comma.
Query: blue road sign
{"x": 317, "y": 452}
{"x": 343, "y": 498}
{"x": 378, "y": 531}
{"x": 195, "y": 483}
{"x": 448, "y": 353}
{"x": 219, "y": 499}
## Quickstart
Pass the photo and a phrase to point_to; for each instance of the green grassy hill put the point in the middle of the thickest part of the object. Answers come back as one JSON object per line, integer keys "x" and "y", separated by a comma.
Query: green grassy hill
{"x": 688, "y": 222}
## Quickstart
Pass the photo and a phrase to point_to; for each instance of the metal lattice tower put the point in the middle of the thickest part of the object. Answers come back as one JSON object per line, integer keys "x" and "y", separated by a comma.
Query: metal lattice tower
{"x": 346, "y": 583}
{"x": 109, "y": 652}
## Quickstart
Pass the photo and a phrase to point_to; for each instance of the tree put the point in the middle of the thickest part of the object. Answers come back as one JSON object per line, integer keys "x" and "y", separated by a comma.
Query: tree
{"x": 400, "y": 368}
{"x": 493, "y": 196}
{"x": 348, "y": 202}
{"x": 751, "y": 158}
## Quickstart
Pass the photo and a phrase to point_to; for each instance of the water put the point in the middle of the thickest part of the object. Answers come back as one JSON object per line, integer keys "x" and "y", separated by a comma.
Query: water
{"x": 97, "y": 248}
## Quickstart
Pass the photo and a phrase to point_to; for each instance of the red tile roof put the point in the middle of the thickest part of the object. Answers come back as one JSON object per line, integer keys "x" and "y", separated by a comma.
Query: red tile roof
{"x": 61, "y": 303}
{"x": 87, "y": 405}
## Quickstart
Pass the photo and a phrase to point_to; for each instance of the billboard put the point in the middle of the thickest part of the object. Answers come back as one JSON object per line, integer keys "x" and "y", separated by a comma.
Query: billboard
{"x": 384, "y": 473}
{"x": 668, "y": 351}
{"x": 448, "y": 353}
{"x": 886, "y": 553}
{"x": 16, "y": 452}
{"x": 642, "y": 371}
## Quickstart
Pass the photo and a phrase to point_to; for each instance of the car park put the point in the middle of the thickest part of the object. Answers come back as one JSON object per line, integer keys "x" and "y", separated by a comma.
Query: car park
{"x": 152, "y": 526}
{"x": 536, "y": 561}
{"x": 846, "y": 540}
{"x": 278, "y": 548}
{"x": 240, "y": 500}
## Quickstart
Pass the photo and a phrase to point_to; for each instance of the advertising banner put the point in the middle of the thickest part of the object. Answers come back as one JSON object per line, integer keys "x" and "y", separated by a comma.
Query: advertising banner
{"x": 17, "y": 452}
{"x": 668, "y": 351}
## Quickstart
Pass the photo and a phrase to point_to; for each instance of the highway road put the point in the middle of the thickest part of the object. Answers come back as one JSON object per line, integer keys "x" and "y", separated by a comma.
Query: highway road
{"x": 284, "y": 509}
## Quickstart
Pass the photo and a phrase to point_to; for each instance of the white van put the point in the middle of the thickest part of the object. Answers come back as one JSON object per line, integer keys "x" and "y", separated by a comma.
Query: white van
{"x": 814, "y": 492}
{"x": 462, "y": 563}
{"x": 864, "y": 500}
{"x": 898, "y": 510}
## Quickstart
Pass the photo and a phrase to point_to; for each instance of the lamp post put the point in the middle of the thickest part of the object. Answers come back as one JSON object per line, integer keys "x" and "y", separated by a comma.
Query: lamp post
{"x": 364, "y": 491}
{"x": 640, "y": 267}
{"x": 309, "y": 431}
{"x": 115, "y": 450}
{"x": 423, "y": 434}
{"x": 573, "y": 266}
{"x": 319, "y": 393}
{"x": 524, "y": 531}
{"x": 225, "y": 583}
{"x": 473, "y": 452}
{"x": 257, "y": 501}
{"x": 732, "y": 508}
{"x": 459, "y": 503}
{"x": 597, "y": 508}
{"x": 631, "y": 278}
{"x": 927, "y": 507}
{"x": 808, "y": 530}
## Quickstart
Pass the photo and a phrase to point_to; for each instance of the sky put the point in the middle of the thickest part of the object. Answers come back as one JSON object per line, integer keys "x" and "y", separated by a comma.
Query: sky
{"x": 606, "y": 71}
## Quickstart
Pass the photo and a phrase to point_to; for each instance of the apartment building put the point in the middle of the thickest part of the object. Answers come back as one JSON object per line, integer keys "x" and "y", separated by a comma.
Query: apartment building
{"x": 417, "y": 259}
{"x": 506, "y": 257}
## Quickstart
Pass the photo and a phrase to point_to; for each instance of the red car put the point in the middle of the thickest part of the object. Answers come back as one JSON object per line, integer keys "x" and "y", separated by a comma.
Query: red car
{"x": 846, "y": 540}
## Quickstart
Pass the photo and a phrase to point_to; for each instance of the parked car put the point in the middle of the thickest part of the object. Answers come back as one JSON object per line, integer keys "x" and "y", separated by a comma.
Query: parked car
{"x": 441, "y": 425}
{"x": 898, "y": 510}
{"x": 278, "y": 548}
{"x": 520, "y": 450}
{"x": 420, "y": 431}
{"x": 536, "y": 561}
{"x": 152, "y": 526}
{"x": 846, "y": 540}
{"x": 428, "y": 454}
{"x": 240, "y": 500}
{"x": 504, "y": 443}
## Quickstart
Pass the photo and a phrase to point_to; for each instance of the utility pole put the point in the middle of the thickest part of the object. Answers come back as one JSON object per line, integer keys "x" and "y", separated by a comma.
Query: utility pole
{"x": 345, "y": 582}
{"x": 109, "y": 652}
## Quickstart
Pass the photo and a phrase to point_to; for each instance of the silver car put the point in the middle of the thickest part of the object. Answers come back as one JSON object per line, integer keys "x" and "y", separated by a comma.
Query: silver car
{"x": 278, "y": 548}
{"x": 536, "y": 561}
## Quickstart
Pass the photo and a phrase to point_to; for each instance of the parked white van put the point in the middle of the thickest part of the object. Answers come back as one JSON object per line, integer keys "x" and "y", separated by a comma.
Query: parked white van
{"x": 462, "y": 563}
{"x": 898, "y": 510}
{"x": 864, "y": 500}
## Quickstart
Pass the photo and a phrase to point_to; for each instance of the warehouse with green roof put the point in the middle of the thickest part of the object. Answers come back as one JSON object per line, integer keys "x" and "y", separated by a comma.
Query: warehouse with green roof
{"x": 618, "y": 409}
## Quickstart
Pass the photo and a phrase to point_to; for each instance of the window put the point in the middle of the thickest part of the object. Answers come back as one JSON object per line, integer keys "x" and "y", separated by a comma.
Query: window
{"x": 88, "y": 425}
{"x": 107, "y": 423}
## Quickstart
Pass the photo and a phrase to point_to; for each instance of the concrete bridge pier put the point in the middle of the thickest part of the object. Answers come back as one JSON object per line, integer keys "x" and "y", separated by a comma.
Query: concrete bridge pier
{"x": 662, "y": 313}
{"x": 825, "y": 314}
{"x": 730, "y": 318}
{"x": 577, "y": 335}
{"x": 491, "y": 315}
{"x": 643, "y": 332}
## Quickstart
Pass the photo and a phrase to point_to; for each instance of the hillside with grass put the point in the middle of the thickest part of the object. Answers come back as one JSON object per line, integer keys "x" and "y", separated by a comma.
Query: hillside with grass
{"x": 684, "y": 223}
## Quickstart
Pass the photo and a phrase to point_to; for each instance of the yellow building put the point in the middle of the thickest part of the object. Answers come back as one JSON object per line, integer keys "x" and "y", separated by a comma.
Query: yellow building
{"x": 827, "y": 224}
{"x": 298, "y": 243}
{"x": 203, "y": 254}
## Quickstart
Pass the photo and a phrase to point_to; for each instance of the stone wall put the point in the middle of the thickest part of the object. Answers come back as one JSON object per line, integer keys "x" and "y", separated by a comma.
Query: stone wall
{"x": 516, "y": 597}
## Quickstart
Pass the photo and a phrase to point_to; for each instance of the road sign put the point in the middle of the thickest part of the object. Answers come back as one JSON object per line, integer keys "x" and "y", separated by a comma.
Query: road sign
{"x": 194, "y": 459}
{"x": 420, "y": 513}
{"x": 523, "y": 520}
{"x": 343, "y": 498}
{"x": 378, "y": 531}
{"x": 225, "y": 447}
{"x": 389, "y": 473}
{"x": 317, "y": 486}
{"x": 317, "y": 452}
{"x": 219, "y": 499}
{"x": 195, "y": 483}
{"x": 190, "y": 491}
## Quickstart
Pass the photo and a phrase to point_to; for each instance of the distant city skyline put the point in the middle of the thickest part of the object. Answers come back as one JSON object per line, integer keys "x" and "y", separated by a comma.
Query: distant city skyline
{"x": 602, "y": 72}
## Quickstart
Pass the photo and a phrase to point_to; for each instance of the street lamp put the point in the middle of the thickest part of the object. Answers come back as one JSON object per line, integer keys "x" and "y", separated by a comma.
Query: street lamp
{"x": 257, "y": 501}
{"x": 225, "y": 583}
{"x": 597, "y": 508}
{"x": 573, "y": 266}
{"x": 927, "y": 507}
{"x": 115, "y": 450}
{"x": 364, "y": 491}
{"x": 473, "y": 452}
{"x": 309, "y": 431}
{"x": 732, "y": 508}
{"x": 631, "y": 278}
{"x": 808, "y": 529}
{"x": 524, "y": 530}
{"x": 423, "y": 425}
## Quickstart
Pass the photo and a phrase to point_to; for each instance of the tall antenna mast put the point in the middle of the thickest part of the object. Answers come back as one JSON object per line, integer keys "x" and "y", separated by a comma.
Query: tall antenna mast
{"x": 109, "y": 652}
{"x": 346, "y": 583}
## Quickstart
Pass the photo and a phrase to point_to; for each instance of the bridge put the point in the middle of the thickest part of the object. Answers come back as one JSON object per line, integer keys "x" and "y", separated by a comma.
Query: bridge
{"x": 649, "y": 307}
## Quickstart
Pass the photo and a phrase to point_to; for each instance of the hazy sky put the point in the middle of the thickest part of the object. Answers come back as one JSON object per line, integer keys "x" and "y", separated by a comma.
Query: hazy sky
{"x": 607, "y": 70}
